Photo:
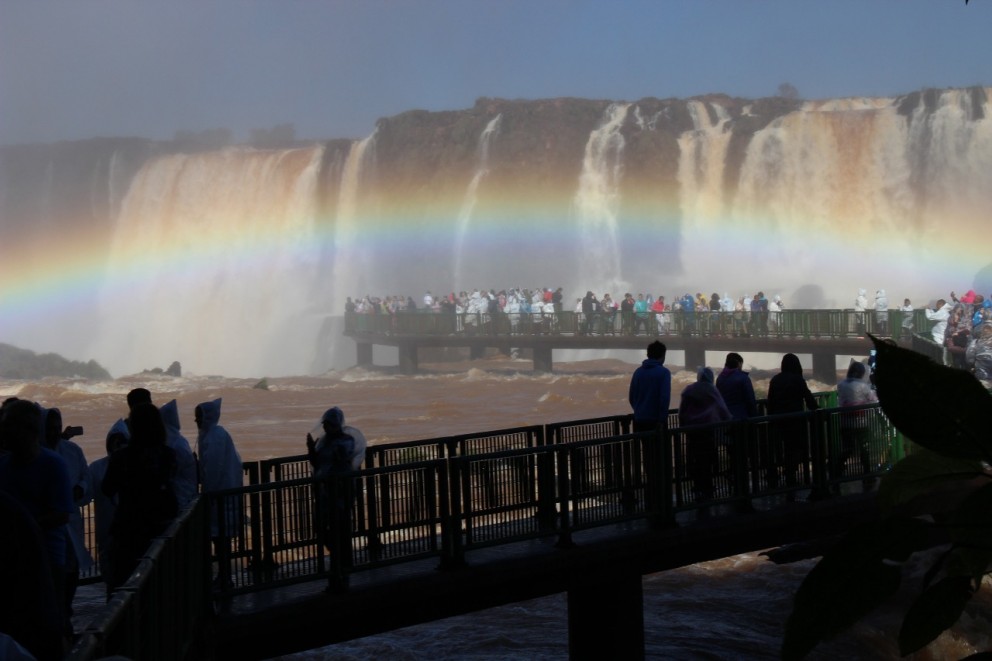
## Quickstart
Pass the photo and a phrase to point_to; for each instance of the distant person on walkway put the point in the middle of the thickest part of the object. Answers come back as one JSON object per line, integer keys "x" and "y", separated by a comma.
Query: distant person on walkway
{"x": 650, "y": 391}
{"x": 590, "y": 309}
{"x": 881, "y": 312}
{"x": 220, "y": 469}
{"x": 339, "y": 451}
{"x": 939, "y": 314}
{"x": 860, "y": 305}
{"x": 855, "y": 432}
{"x": 702, "y": 404}
{"x": 788, "y": 393}
{"x": 736, "y": 387}
{"x": 140, "y": 476}
{"x": 907, "y": 319}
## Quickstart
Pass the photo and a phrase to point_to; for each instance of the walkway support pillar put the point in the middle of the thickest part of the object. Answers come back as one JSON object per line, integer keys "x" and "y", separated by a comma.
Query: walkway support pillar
{"x": 695, "y": 356}
{"x": 542, "y": 359}
{"x": 408, "y": 358}
{"x": 825, "y": 366}
{"x": 606, "y": 615}
{"x": 364, "y": 350}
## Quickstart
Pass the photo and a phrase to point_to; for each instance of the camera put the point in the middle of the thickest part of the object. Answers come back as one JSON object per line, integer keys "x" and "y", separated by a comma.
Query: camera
{"x": 72, "y": 431}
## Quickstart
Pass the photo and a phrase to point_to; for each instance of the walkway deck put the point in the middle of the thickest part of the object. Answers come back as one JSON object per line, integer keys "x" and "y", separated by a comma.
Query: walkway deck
{"x": 825, "y": 334}
{"x": 305, "y": 616}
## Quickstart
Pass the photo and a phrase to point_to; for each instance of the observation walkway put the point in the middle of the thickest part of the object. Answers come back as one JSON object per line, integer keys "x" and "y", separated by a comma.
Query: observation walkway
{"x": 825, "y": 334}
{"x": 451, "y": 525}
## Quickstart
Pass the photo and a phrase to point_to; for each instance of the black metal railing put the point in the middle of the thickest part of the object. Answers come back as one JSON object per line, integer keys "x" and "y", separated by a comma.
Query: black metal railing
{"x": 449, "y": 496}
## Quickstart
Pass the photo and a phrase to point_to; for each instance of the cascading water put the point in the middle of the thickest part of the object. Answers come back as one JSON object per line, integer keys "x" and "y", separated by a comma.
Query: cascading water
{"x": 213, "y": 263}
{"x": 353, "y": 258}
{"x": 597, "y": 204}
{"x": 701, "y": 167}
{"x": 471, "y": 197}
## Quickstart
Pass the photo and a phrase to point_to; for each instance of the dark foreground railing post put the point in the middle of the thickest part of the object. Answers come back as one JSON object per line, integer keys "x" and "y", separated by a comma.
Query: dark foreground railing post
{"x": 743, "y": 457}
{"x": 546, "y": 489}
{"x": 563, "y": 455}
{"x": 452, "y": 473}
{"x": 341, "y": 488}
{"x": 659, "y": 477}
{"x": 819, "y": 440}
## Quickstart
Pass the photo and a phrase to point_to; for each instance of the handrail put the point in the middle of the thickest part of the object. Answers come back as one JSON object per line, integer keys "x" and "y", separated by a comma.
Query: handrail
{"x": 448, "y": 505}
{"x": 805, "y": 323}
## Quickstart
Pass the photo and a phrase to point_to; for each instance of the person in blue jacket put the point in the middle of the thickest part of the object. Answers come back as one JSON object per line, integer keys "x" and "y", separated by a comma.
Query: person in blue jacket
{"x": 651, "y": 390}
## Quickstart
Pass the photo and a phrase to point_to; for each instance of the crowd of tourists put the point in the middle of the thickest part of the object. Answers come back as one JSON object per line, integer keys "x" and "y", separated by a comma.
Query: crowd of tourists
{"x": 785, "y": 453}
{"x": 149, "y": 475}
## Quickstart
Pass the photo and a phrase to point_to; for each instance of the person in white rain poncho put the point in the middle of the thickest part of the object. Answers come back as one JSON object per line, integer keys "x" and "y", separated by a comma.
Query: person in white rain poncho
{"x": 220, "y": 469}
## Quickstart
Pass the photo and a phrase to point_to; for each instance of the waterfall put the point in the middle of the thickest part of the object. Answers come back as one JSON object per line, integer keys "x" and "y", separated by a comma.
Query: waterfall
{"x": 213, "y": 263}
{"x": 353, "y": 258}
{"x": 134, "y": 254}
{"x": 471, "y": 197}
{"x": 597, "y": 203}
{"x": 701, "y": 167}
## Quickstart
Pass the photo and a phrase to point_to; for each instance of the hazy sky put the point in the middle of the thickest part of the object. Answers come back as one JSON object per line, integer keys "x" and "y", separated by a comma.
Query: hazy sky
{"x": 71, "y": 70}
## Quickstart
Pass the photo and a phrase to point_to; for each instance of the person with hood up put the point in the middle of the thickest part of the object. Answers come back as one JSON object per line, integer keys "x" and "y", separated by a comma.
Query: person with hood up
{"x": 702, "y": 404}
{"x": 650, "y": 391}
{"x": 860, "y": 305}
{"x": 881, "y": 312}
{"x": 788, "y": 394}
{"x": 184, "y": 483}
{"x": 220, "y": 469}
{"x": 339, "y": 451}
{"x": 104, "y": 507}
{"x": 855, "y": 432}
{"x": 140, "y": 476}
{"x": 978, "y": 355}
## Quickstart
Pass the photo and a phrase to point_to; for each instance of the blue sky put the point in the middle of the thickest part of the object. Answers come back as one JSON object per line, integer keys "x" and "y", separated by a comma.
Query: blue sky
{"x": 72, "y": 70}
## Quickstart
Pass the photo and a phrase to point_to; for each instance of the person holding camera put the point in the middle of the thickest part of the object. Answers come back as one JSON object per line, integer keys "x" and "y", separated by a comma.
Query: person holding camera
{"x": 78, "y": 558}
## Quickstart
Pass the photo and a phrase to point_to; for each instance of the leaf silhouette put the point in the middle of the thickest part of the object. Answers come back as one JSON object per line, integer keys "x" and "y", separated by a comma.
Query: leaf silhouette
{"x": 941, "y": 408}
{"x": 936, "y": 609}
{"x": 926, "y": 474}
{"x": 850, "y": 580}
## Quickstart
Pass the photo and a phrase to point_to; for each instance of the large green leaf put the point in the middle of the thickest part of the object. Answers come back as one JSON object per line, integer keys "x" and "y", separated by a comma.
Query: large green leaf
{"x": 850, "y": 580}
{"x": 927, "y": 480}
{"x": 938, "y": 608}
{"x": 941, "y": 408}
{"x": 971, "y": 523}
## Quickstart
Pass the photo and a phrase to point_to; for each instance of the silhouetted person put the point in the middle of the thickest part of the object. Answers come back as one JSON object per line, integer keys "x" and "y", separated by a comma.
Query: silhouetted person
{"x": 650, "y": 391}
{"x": 104, "y": 507}
{"x": 140, "y": 475}
{"x": 702, "y": 404}
{"x": 77, "y": 555}
{"x": 339, "y": 451}
{"x": 220, "y": 469}
{"x": 788, "y": 393}
{"x": 38, "y": 480}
